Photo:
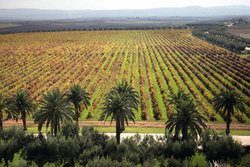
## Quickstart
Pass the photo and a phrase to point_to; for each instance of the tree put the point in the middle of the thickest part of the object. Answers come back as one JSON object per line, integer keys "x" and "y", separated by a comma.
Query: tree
{"x": 12, "y": 141}
{"x": 187, "y": 118}
{"x": 54, "y": 109}
{"x": 119, "y": 105}
{"x": 37, "y": 151}
{"x": 220, "y": 148}
{"x": 22, "y": 104}
{"x": 3, "y": 110}
{"x": 78, "y": 96}
{"x": 226, "y": 103}
{"x": 175, "y": 99}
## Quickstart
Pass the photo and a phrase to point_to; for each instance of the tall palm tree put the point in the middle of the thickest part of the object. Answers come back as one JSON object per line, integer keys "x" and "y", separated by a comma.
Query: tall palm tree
{"x": 175, "y": 99}
{"x": 3, "y": 109}
{"x": 187, "y": 119}
{"x": 119, "y": 105}
{"x": 78, "y": 96}
{"x": 54, "y": 109}
{"x": 226, "y": 103}
{"x": 21, "y": 104}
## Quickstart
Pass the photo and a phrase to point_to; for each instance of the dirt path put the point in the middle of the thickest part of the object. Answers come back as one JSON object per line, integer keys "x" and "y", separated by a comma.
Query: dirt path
{"x": 138, "y": 124}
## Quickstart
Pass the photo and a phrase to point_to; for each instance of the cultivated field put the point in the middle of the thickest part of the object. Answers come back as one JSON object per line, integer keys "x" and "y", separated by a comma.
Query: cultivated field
{"x": 245, "y": 33}
{"x": 156, "y": 62}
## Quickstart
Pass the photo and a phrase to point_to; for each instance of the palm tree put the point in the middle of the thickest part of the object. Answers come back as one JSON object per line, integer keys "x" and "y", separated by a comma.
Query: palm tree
{"x": 175, "y": 99}
{"x": 119, "y": 105}
{"x": 21, "y": 104}
{"x": 54, "y": 109}
{"x": 226, "y": 103}
{"x": 78, "y": 96}
{"x": 187, "y": 119}
{"x": 3, "y": 110}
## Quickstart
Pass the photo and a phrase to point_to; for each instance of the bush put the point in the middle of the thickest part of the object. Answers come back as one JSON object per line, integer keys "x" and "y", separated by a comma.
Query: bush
{"x": 221, "y": 148}
{"x": 94, "y": 136}
{"x": 36, "y": 151}
{"x": 69, "y": 129}
{"x": 172, "y": 162}
{"x": 107, "y": 162}
{"x": 12, "y": 141}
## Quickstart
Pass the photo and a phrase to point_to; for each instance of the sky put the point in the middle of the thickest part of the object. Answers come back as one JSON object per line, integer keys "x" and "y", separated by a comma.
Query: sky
{"x": 115, "y": 4}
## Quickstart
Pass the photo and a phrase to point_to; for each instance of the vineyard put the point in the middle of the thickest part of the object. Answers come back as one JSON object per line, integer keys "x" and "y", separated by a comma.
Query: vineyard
{"x": 155, "y": 62}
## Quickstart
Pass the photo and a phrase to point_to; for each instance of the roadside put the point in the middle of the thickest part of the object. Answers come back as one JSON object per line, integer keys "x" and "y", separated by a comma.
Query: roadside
{"x": 137, "y": 124}
{"x": 138, "y": 127}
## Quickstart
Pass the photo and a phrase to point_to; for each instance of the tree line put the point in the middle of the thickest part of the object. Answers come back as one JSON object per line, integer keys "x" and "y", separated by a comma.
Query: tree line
{"x": 90, "y": 148}
{"x": 102, "y": 29}
{"x": 56, "y": 106}
{"x": 231, "y": 42}
{"x": 57, "y": 109}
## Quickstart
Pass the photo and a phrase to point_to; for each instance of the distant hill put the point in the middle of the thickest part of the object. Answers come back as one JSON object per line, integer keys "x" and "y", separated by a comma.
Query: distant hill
{"x": 193, "y": 11}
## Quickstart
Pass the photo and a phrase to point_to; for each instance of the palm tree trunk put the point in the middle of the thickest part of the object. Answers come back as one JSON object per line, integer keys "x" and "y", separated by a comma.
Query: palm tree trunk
{"x": 24, "y": 121}
{"x": 72, "y": 161}
{"x": 1, "y": 120}
{"x": 175, "y": 136}
{"x": 77, "y": 116}
{"x": 6, "y": 162}
{"x": 228, "y": 128}
{"x": 184, "y": 133}
{"x": 55, "y": 127}
{"x": 118, "y": 131}
{"x": 122, "y": 126}
{"x": 228, "y": 123}
{"x": 77, "y": 113}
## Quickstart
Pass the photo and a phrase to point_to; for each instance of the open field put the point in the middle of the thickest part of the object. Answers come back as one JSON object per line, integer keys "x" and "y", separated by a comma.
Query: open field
{"x": 245, "y": 33}
{"x": 8, "y": 25}
{"x": 155, "y": 62}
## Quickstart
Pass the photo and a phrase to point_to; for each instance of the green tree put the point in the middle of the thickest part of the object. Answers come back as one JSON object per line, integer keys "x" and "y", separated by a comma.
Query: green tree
{"x": 3, "y": 109}
{"x": 220, "y": 148}
{"x": 54, "y": 109}
{"x": 12, "y": 141}
{"x": 70, "y": 129}
{"x": 22, "y": 104}
{"x": 226, "y": 103}
{"x": 119, "y": 105}
{"x": 175, "y": 99}
{"x": 187, "y": 119}
{"x": 37, "y": 151}
{"x": 78, "y": 96}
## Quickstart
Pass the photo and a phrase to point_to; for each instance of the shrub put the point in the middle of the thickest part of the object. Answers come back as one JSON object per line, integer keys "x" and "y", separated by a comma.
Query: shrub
{"x": 69, "y": 129}
{"x": 107, "y": 162}
{"x": 220, "y": 148}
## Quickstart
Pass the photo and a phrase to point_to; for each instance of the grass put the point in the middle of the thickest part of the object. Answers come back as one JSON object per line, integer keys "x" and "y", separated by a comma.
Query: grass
{"x": 32, "y": 129}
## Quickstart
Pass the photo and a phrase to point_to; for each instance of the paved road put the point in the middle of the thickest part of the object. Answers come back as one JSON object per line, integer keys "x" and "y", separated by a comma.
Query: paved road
{"x": 244, "y": 140}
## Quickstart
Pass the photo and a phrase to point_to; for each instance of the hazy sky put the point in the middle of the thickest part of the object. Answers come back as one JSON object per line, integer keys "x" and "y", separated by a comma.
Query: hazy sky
{"x": 114, "y": 4}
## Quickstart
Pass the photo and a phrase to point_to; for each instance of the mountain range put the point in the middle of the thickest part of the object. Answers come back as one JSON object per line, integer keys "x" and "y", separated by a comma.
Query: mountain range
{"x": 192, "y": 11}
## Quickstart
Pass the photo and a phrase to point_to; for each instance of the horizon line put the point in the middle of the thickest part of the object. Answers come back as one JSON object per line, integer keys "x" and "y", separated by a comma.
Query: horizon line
{"x": 126, "y": 9}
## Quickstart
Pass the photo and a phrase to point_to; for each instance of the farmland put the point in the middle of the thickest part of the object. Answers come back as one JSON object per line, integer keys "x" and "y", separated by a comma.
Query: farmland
{"x": 155, "y": 62}
{"x": 242, "y": 30}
